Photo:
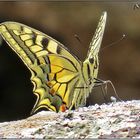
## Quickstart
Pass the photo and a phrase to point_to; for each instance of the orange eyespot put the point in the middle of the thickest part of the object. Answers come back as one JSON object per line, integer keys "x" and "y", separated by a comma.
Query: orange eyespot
{"x": 63, "y": 108}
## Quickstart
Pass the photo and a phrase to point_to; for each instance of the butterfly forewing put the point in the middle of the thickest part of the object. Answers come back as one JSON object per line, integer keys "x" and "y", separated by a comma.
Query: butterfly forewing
{"x": 91, "y": 63}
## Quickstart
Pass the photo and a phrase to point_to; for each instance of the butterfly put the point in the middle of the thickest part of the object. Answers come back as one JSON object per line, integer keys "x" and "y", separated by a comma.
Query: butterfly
{"x": 61, "y": 81}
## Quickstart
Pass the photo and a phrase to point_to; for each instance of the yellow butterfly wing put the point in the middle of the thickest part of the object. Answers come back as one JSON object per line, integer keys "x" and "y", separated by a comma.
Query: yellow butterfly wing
{"x": 54, "y": 69}
{"x": 60, "y": 80}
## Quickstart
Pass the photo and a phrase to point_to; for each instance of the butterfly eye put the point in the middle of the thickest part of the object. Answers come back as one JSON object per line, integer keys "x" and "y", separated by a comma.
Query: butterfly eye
{"x": 91, "y": 60}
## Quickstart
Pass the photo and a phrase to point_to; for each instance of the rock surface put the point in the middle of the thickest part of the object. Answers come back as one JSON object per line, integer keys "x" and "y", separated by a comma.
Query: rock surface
{"x": 115, "y": 120}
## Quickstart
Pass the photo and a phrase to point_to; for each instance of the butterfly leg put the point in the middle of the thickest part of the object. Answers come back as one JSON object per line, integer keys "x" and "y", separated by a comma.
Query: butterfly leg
{"x": 101, "y": 83}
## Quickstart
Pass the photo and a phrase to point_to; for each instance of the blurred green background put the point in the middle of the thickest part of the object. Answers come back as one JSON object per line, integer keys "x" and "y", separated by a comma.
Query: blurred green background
{"x": 62, "y": 20}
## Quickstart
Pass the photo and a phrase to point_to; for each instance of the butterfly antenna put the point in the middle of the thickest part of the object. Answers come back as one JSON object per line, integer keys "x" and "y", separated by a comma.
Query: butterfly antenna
{"x": 114, "y": 43}
{"x": 78, "y": 38}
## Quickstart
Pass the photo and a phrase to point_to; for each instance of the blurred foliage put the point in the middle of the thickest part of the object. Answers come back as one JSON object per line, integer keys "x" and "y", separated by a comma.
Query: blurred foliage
{"x": 61, "y": 20}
